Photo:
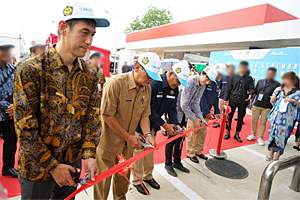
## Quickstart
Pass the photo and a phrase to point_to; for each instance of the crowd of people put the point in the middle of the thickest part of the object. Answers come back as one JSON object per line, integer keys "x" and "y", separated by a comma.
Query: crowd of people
{"x": 61, "y": 110}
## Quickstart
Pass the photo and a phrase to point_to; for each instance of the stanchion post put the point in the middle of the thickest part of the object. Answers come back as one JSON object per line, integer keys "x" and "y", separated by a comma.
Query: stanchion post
{"x": 217, "y": 153}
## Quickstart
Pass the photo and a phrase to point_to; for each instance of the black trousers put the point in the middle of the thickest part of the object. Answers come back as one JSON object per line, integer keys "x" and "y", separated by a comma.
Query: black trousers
{"x": 241, "y": 115}
{"x": 46, "y": 189}
{"x": 9, "y": 145}
{"x": 174, "y": 148}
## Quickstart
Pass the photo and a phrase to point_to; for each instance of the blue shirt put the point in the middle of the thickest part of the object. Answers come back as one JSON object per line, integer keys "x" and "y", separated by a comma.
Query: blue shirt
{"x": 163, "y": 100}
{"x": 188, "y": 102}
{"x": 222, "y": 86}
{"x": 6, "y": 89}
{"x": 210, "y": 99}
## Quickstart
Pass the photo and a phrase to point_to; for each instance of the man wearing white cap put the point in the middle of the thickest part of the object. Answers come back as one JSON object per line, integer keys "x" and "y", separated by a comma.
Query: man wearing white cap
{"x": 125, "y": 104}
{"x": 37, "y": 47}
{"x": 56, "y": 104}
{"x": 7, "y": 72}
{"x": 163, "y": 100}
{"x": 188, "y": 107}
{"x": 209, "y": 99}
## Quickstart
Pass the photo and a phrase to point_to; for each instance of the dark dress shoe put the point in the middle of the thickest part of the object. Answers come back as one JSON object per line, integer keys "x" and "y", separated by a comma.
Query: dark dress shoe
{"x": 10, "y": 172}
{"x": 217, "y": 126}
{"x": 1, "y": 135}
{"x": 194, "y": 159}
{"x": 202, "y": 156}
{"x": 153, "y": 183}
{"x": 227, "y": 136}
{"x": 164, "y": 133}
{"x": 170, "y": 170}
{"x": 140, "y": 189}
{"x": 297, "y": 148}
{"x": 237, "y": 137}
{"x": 181, "y": 167}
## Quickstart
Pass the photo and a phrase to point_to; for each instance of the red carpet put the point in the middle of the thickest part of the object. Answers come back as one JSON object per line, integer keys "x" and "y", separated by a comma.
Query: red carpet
{"x": 13, "y": 187}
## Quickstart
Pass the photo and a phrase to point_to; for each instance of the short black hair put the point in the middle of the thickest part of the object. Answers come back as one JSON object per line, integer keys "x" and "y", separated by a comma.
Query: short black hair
{"x": 97, "y": 54}
{"x": 72, "y": 23}
{"x": 245, "y": 63}
{"x": 272, "y": 69}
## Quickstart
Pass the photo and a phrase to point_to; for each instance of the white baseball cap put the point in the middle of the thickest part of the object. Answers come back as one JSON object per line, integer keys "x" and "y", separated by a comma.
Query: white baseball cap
{"x": 5, "y": 44}
{"x": 151, "y": 63}
{"x": 211, "y": 73}
{"x": 221, "y": 68}
{"x": 37, "y": 43}
{"x": 182, "y": 71}
{"x": 78, "y": 10}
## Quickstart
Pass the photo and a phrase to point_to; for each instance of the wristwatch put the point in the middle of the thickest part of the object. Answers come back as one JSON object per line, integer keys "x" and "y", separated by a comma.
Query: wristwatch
{"x": 148, "y": 134}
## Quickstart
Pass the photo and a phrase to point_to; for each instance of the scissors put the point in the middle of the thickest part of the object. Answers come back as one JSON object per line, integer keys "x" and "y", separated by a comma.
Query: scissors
{"x": 145, "y": 144}
{"x": 81, "y": 181}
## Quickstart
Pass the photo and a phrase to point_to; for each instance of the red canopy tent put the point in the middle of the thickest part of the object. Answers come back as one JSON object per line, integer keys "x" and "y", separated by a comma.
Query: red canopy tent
{"x": 106, "y": 54}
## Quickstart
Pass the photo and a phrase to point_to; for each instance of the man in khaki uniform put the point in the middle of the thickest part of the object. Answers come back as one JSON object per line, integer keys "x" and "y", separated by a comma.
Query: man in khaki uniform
{"x": 125, "y": 103}
{"x": 163, "y": 100}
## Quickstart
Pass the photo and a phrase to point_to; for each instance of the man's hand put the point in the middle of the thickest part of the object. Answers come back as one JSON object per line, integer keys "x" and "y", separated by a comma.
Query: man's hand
{"x": 218, "y": 116}
{"x": 226, "y": 103}
{"x": 170, "y": 128}
{"x": 10, "y": 110}
{"x": 91, "y": 167}
{"x": 250, "y": 97}
{"x": 197, "y": 123}
{"x": 62, "y": 176}
{"x": 209, "y": 116}
{"x": 134, "y": 140}
{"x": 150, "y": 140}
{"x": 250, "y": 104}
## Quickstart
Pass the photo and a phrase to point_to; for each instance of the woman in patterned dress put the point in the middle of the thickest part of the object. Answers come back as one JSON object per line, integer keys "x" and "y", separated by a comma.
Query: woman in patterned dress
{"x": 282, "y": 120}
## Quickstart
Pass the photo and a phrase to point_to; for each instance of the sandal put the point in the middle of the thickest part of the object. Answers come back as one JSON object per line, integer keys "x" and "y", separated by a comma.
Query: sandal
{"x": 269, "y": 158}
{"x": 274, "y": 159}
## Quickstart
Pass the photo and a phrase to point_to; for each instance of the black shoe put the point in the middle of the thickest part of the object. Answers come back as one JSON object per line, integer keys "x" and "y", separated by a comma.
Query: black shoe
{"x": 164, "y": 133}
{"x": 217, "y": 126}
{"x": 202, "y": 156}
{"x": 236, "y": 119}
{"x": 153, "y": 183}
{"x": 297, "y": 148}
{"x": 237, "y": 137}
{"x": 140, "y": 189}
{"x": 1, "y": 135}
{"x": 181, "y": 167}
{"x": 170, "y": 170}
{"x": 11, "y": 172}
{"x": 194, "y": 159}
{"x": 227, "y": 136}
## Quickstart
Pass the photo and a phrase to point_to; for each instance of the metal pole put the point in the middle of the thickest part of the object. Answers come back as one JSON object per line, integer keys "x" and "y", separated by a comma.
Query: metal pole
{"x": 116, "y": 48}
{"x": 295, "y": 184}
{"x": 270, "y": 171}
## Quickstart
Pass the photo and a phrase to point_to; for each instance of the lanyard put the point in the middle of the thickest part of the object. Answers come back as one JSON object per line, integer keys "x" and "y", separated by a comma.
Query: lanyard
{"x": 266, "y": 85}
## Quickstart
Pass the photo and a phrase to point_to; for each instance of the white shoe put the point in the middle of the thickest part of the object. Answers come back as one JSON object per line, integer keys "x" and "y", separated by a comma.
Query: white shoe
{"x": 260, "y": 142}
{"x": 251, "y": 137}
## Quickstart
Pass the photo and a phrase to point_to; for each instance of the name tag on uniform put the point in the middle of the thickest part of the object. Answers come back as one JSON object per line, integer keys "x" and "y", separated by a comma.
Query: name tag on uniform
{"x": 209, "y": 89}
{"x": 159, "y": 96}
{"x": 170, "y": 97}
{"x": 99, "y": 87}
{"x": 224, "y": 82}
{"x": 128, "y": 100}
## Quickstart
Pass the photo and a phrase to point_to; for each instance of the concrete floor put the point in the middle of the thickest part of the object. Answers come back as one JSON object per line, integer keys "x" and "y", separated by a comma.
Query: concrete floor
{"x": 207, "y": 185}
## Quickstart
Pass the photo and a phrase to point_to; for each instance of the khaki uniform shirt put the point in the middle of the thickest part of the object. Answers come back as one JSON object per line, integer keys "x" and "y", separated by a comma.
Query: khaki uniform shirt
{"x": 56, "y": 114}
{"x": 122, "y": 99}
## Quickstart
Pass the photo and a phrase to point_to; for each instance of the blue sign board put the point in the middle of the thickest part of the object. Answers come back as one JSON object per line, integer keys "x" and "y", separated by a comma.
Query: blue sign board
{"x": 283, "y": 59}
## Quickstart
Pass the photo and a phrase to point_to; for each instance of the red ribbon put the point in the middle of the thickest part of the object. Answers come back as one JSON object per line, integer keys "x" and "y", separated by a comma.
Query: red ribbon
{"x": 124, "y": 165}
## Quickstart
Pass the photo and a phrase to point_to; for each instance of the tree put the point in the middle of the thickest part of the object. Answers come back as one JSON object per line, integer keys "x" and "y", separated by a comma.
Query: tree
{"x": 154, "y": 17}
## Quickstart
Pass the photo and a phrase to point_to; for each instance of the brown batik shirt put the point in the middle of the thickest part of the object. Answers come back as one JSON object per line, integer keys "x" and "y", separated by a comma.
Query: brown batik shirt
{"x": 56, "y": 113}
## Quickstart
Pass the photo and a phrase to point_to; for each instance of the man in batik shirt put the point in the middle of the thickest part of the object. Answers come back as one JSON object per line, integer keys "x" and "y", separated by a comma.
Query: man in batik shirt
{"x": 57, "y": 109}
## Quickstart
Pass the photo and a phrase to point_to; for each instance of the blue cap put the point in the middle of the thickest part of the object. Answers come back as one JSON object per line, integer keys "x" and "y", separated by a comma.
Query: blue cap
{"x": 153, "y": 75}
{"x": 183, "y": 82}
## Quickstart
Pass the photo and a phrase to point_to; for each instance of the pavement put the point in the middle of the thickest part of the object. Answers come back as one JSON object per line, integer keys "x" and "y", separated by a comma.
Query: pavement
{"x": 204, "y": 184}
